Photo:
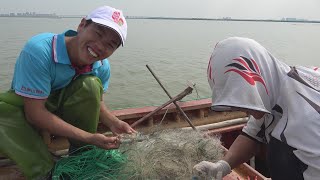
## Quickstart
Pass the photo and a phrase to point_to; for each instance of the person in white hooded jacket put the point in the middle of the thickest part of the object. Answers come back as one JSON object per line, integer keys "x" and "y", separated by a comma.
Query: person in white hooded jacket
{"x": 283, "y": 104}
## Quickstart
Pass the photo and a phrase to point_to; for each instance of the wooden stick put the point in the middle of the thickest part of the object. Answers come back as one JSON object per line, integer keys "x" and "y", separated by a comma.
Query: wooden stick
{"x": 187, "y": 91}
{"x": 174, "y": 102}
{"x": 222, "y": 124}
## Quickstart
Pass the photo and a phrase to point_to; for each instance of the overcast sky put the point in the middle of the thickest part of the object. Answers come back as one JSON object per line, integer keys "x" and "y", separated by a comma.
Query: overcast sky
{"x": 258, "y": 9}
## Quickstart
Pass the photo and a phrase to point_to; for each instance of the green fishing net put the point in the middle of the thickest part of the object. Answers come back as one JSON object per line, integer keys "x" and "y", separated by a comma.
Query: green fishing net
{"x": 95, "y": 163}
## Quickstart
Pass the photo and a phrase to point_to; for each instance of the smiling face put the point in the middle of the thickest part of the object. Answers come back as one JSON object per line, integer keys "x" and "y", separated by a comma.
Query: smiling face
{"x": 94, "y": 42}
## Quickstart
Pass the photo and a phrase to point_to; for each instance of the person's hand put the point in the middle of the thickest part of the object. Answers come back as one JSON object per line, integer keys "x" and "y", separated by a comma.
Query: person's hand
{"x": 120, "y": 127}
{"x": 210, "y": 170}
{"x": 103, "y": 141}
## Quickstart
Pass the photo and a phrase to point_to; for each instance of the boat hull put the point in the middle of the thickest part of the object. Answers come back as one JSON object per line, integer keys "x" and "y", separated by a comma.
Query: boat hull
{"x": 228, "y": 125}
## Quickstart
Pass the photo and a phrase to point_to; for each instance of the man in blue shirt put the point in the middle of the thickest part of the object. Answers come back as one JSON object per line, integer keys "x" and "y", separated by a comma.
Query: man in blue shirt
{"x": 58, "y": 86}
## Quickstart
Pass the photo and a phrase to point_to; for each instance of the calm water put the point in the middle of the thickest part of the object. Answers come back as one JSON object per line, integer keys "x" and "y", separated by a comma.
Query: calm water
{"x": 177, "y": 51}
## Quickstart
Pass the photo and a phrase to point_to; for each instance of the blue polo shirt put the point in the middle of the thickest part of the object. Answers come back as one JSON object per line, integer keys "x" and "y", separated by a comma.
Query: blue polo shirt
{"x": 44, "y": 66}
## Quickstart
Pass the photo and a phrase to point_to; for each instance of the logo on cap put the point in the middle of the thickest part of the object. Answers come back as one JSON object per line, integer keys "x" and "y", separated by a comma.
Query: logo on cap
{"x": 116, "y": 18}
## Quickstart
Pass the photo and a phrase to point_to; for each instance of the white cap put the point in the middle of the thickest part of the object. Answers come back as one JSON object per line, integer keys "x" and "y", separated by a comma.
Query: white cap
{"x": 110, "y": 17}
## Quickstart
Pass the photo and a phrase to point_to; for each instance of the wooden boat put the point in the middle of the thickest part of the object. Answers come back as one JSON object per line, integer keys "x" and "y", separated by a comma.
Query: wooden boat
{"x": 229, "y": 125}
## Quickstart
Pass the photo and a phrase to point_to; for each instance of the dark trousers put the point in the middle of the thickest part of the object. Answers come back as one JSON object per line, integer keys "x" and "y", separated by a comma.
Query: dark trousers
{"x": 282, "y": 163}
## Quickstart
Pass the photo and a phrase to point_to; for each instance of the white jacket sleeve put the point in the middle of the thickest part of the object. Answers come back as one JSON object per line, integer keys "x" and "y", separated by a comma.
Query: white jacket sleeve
{"x": 256, "y": 129}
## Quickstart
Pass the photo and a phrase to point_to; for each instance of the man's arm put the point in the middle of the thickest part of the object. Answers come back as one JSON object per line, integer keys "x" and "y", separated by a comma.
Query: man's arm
{"x": 37, "y": 114}
{"x": 241, "y": 150}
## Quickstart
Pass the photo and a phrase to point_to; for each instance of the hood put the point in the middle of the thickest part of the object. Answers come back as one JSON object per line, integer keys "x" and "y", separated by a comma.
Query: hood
{"x": 242, "y": 73}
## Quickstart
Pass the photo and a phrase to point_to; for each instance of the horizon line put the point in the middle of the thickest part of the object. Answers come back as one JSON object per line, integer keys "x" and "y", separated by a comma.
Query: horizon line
{"x": 53, "y": 15}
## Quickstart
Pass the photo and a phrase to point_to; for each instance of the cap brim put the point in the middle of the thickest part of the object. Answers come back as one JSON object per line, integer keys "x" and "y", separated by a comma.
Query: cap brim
{"x": 221, "y": 108}
{"x": 110, "y": 25}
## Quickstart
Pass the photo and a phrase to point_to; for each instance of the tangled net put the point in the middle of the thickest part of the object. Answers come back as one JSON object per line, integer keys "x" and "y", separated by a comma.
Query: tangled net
{"x": 167, "y": 154}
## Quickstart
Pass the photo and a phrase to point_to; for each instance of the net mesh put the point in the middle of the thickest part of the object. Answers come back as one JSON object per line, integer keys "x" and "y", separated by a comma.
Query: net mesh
{"x": 166, "y": 154}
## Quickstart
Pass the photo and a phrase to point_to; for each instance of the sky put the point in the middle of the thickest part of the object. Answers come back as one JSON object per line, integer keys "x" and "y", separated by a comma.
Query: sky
{"x": 246, "y": 9}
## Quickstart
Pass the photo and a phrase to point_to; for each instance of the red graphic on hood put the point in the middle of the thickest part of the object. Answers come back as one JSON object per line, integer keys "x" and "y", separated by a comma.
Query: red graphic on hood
{"x": 248, "y": 69}
{"x": 209, "y": 70}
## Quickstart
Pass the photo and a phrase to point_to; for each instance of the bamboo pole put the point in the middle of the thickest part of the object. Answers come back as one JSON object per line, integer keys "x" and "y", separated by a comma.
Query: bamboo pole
{"x": 187, "y": 91}
{"x": 174, "y": 102}
{"x": 226, "y": 123}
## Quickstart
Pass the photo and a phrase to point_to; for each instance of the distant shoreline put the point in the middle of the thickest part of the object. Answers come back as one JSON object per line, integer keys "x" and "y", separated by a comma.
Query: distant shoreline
{"x": 173, "y": 18}
{"x": 38, "y": 16}
{"x": 222, "y": 19}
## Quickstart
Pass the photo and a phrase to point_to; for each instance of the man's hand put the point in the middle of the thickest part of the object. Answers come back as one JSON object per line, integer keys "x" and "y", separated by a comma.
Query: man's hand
{"x": 210, "y": 170}
{"x": 119, "y": 127}
{"x": 116, "y": 125}
{"x": 103, "y": 141}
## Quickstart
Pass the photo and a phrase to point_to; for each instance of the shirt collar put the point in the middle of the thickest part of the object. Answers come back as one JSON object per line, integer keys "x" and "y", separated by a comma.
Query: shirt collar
{"x": 97, "y": 64}
{"x": 59, "y": 48}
